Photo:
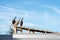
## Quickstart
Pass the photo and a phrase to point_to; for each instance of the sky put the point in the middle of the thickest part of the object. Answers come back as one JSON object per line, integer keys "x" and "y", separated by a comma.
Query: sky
{"x": 38, "y": 14}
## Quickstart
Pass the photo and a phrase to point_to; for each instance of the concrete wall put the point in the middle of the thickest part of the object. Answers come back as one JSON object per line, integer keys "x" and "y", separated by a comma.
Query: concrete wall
{"x": 36, "y": 37}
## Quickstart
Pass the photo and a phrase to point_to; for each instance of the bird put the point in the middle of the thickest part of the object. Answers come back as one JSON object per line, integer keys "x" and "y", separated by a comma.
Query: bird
{"x": 14, "y": 21}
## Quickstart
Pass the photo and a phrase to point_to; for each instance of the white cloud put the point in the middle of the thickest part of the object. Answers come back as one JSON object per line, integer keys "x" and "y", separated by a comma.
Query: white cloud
{"x": 46, "y": 16}
{"x": 13, "y": 12}
{"x": 4, "y": 27}
{"x": 30, "y": 2}
{"x": 55, "y": 9}
{"x": 32, "y": 25}
{"x": 50, "y": 19}
{"x": 26, "y": 15}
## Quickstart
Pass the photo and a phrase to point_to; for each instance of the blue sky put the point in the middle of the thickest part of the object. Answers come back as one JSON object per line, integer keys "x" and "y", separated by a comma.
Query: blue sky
{"x": 39, "y": 14}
